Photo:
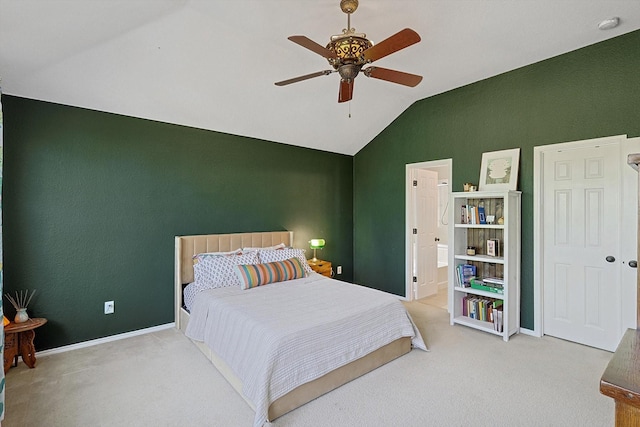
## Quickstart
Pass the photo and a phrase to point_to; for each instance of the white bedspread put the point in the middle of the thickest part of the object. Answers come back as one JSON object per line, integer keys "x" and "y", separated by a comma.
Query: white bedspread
{"x": 280, "y": 336}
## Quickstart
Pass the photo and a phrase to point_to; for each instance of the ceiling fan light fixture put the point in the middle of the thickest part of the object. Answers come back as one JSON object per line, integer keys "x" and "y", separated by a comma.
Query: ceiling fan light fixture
{"x": 349, "y": 50}
{"x": 349, "y": 71}
{"x": 348, "y": 6}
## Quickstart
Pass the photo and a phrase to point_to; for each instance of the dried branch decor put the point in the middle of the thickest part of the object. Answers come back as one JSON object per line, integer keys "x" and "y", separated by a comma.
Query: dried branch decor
{"x": 21, "y": 300}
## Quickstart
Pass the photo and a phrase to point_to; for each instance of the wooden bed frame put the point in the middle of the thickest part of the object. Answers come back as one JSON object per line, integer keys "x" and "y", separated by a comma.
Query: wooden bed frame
{"x": 187, "y": 246}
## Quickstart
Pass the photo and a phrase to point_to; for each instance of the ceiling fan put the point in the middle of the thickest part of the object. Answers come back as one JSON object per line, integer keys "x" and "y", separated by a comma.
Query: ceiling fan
{"x": 350, "y": 51}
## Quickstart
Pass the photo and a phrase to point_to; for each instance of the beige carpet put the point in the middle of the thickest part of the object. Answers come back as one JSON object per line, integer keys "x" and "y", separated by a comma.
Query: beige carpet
{"x": 469, "y": 378}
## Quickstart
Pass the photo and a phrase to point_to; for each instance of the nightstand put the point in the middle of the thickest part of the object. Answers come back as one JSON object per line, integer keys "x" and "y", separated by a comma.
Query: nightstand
{"x": 321, "y": 267}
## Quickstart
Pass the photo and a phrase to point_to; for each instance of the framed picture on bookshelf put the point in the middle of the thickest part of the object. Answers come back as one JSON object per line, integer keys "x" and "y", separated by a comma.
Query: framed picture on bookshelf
{"x": 499, "y": 170}
{"x": 493, "y": 247}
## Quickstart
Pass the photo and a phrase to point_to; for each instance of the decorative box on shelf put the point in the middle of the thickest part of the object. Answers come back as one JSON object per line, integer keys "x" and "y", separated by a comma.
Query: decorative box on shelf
{"x": 321, "y": 267}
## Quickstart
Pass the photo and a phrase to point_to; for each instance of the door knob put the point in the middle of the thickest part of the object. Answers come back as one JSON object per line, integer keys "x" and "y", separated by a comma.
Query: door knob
{"x": 610, "y": 258}
{"x": 437, "y": 239}
{"x": 633, "y": 263}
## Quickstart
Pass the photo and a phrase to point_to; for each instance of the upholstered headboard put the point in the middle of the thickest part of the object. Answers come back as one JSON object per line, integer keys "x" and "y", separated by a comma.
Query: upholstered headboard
{"x": 188, "y": 246}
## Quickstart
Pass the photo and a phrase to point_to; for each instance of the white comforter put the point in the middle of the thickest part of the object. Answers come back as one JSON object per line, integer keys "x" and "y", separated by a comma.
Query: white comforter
{"x": 280, "y": 336}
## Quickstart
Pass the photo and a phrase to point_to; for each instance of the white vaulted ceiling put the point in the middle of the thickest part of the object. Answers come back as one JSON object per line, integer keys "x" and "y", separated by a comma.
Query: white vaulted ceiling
{"x": 212, "y": 64}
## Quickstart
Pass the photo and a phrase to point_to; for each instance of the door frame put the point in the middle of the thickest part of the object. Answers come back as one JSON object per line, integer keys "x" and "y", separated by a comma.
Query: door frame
{"x": 433, "y": 164}
{"x": 538, "y": 267}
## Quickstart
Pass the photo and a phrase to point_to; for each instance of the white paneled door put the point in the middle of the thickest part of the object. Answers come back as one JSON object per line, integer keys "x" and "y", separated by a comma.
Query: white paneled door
{"x": 425, "y": 259}
{"x": 581, "y": 228}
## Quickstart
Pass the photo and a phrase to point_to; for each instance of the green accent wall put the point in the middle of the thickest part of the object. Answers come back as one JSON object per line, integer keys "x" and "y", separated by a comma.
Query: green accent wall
{"x": 92, "y": 202}
{"x": 588, "y": 93}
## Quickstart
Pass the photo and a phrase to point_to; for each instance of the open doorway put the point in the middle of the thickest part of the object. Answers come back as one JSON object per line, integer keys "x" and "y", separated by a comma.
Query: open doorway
{"x": 427, "y": 218}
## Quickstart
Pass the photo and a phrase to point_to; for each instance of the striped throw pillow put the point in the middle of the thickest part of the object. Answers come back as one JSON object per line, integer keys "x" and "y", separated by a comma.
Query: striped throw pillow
{"x": 254, "y": 275}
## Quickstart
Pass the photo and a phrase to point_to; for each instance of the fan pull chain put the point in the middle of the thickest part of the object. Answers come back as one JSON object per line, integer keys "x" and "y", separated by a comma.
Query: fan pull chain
{"x": 349, "y": 109}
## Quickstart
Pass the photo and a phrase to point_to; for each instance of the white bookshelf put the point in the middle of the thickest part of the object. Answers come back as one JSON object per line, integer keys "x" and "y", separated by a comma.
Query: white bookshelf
{"x": 505, "y": 265}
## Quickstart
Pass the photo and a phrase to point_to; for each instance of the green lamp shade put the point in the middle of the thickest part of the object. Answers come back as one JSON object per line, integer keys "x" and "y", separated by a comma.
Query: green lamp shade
{"x": 316, "y": 243}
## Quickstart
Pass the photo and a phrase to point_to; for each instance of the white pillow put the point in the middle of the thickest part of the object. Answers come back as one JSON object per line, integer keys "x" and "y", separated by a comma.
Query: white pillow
{"x": 278, "y": 246}
{"x": 220, "y": 271}
{"x": 189, "y": 294}
{"x": 199, "y": 257}
{"x": 272, "y": 255}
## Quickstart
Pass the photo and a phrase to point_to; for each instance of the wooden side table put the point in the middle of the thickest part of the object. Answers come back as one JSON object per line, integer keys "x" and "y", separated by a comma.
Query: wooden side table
{"x": 321, "y": 267}
{"x": 621, "y": 379}
{"x": 18, "y": 338}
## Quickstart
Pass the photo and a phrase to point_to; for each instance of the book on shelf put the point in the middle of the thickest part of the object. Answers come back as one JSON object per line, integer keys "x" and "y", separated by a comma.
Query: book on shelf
{"x": 495, "y": 280}
{"x": 486, "y": 309}
{"x": 497, "y": 319}
{"x": 486, "y": 286}
{"x": 465, "y": 272}
{"x": 470, "y": 214}
{"x": 481, "y": 217}
{"x": 480, "y": 308}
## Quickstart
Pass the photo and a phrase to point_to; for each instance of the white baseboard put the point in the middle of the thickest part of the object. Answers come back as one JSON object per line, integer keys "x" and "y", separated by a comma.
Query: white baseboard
{"x": 533, "y": 333}
{"x": 111, "y": 338}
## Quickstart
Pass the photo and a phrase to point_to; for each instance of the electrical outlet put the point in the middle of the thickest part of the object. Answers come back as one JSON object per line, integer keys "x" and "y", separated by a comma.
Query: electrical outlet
{"x": 109, "y": 307}
{"x": 339, "y": 269}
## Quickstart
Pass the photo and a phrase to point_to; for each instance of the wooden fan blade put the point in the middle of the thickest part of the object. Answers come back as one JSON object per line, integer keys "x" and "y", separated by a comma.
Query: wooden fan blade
{"x": 346, "y": 90}
{"x": 313, "y": 46}
{"x": 393, "y": 76}
{"x": 305, "y": 77}
{"x": 396, "y": 42}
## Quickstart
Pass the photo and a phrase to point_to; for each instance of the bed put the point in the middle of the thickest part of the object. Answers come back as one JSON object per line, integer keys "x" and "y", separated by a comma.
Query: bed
{"x": 277, "y": 388}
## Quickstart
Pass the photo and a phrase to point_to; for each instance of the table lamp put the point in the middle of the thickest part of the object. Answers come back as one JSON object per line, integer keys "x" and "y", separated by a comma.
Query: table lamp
{"x": 316, "y": 244}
